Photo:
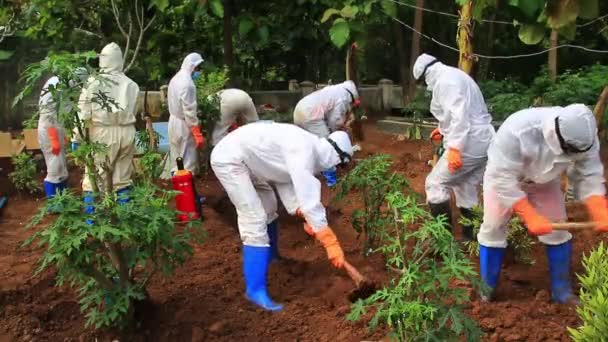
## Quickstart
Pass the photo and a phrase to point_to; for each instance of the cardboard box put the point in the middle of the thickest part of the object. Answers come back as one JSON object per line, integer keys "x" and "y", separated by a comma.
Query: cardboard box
{"x": 31, "y": 139}
{"x": 9, "y": 146}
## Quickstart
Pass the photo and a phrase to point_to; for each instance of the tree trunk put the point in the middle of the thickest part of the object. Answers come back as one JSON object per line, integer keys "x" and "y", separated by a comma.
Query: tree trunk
{"x": 228, "y": 46}
{"x": 401, "y": 55}
{"x": 600, "y": 108}
{"x": 418, "y": 16}
{"x": 484, "y": 65}
{"x": 465, "y": 38}
{"x": 553, "y": 55}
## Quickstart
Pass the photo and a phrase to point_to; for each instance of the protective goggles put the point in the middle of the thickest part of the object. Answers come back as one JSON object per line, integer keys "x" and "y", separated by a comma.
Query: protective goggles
{"x": 356, "y": 102}
{"x": 345, "y": 158}
{"x": 421, "y": 78}
{"x": 566, "y": 147}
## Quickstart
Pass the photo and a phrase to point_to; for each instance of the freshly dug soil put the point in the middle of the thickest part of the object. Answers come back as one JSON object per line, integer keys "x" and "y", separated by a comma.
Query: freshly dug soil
{"x": 204, "y": 300}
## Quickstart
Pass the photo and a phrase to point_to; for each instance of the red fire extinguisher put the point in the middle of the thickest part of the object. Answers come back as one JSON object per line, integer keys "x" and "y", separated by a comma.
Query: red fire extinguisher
{"x": 186, "y": 200}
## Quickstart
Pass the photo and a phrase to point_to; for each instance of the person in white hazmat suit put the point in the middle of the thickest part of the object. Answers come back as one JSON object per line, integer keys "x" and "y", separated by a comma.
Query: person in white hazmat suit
{"x": 257, "y": 156}
{"x": 185, "y": 135}
{"x": 327, "y": 110}
{"x": 114, "y": 126}
{"x": 465, "y": 124}
{"x": 236, "y": 107}
{"x": 531, "y": 150}
{"x": 51, "y": 137}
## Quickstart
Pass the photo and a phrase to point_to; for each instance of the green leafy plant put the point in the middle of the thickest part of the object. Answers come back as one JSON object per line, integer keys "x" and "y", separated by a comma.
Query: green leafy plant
{"x": 109, "y": 255}
{"x": 208, "y": 101}
{"x": 207, "y": 87}
{"x": 518, "y": 238}
{"x": 372, "y": 180}
{"x": 426, "y": 301}
{"x": 24, "y": 175}
{"x": 593, "y": 310}
{"x": 420, "y": 105}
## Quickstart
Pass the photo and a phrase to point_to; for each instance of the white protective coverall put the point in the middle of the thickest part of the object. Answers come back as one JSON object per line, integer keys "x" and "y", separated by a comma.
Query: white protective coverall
{"x": 465, "y": 124}
{"x": 235, "y": 105}
{"x": 526, "y": 159}
{"x": 114, "y": 128}
{"x": 325, "y": 110}
{"x": 257, "y": 156}
{"x": 181, "y": 98}
{"x": 56, "y": 165}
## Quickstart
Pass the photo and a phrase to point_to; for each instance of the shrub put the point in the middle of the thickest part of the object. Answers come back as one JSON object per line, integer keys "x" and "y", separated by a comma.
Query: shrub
{"x": 373, "y": 181}
{"x": 593, "y": 310}
{"x": 24, "y": 175}
{"x": 109, "y": 255}
{"x": 518, "y": 238}
{"x": 420, "y": 105}
{"x": 425, "y": 302}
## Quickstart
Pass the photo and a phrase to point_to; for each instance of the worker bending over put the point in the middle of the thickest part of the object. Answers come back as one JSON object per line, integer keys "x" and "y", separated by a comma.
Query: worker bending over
{"x": 327, "y": 110}
{"x": 531, "y": 150}
{"x": 465, "y": 124}
{"x": 51, "y": 137}
{"x": 111, "y": 124}
{"x": 257, "y": 156}
{"x": 185, "y": 135}
{"x": 236, "y": 108}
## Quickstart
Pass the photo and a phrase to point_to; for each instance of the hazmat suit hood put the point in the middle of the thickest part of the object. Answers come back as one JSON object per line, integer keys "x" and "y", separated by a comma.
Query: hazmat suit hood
{"x": 576, "y": 125}
{"x": 430, "y": 63}
{"x": 191, "y": 62}
{"x": 329, "y": 156}
{"x": 350, "y": 86}
{"x": 110, "y": 59}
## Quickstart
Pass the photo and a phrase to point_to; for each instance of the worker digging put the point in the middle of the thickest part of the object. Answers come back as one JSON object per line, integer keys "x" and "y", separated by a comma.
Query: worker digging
{"x": 252, "y": 160}
{"x": 325, "y": 111}
{"x": 531, "y": 150}
{"x": 466, "y": 128}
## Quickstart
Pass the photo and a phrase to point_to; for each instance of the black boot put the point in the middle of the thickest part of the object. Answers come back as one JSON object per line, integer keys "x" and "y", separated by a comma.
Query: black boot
{"x": 442, "y": 208}
{"x": 467, "y": 230}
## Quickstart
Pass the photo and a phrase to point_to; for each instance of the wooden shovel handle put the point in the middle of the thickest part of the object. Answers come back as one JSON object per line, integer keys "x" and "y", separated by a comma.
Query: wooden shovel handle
{"x": 573, "y": 226}
{"x": 353, "y": 273}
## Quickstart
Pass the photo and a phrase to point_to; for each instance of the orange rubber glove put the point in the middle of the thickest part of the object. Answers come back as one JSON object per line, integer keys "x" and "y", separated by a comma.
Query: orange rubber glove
{"x": 334, "y": 252}
{"x": 597, "y": 206}
{"x": 454, "y": 160}
{"x": 54, "y": 137}
{"x": 436, "y": 135}
{"x": 536, "y": 223}
{"x": 198, "y": 136}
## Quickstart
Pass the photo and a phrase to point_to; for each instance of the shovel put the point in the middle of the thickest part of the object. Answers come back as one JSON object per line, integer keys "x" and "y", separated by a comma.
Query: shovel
{"x": 573, "y": 226}
{"x": 365, "y": 287}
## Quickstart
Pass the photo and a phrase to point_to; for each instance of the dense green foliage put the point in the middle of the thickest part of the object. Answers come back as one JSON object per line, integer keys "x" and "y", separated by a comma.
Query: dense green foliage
{"x": 108, "y": 255}
{"x": 24, "y": 172}
{"x": 593, "y": 310}
{"x": 372, "y": 179}
{"x": 518, "y": 238}
{"x": 507, "y": 96}
{"x": 422, "y": 303}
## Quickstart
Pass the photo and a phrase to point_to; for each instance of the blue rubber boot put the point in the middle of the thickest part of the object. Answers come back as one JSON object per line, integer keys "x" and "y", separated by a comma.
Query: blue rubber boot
{"x": 50, "y": 189}
{"x": 330, "y": 177}
{"x": 62, "y": 186}
{"x": 123, "y": 195}
{"x": 559, "y": 271}
{"x": 88, "y": 206}
{"x": 255, "y": 271}
{"x": 273, "y": 234}
{"x": 490, "y": 263}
